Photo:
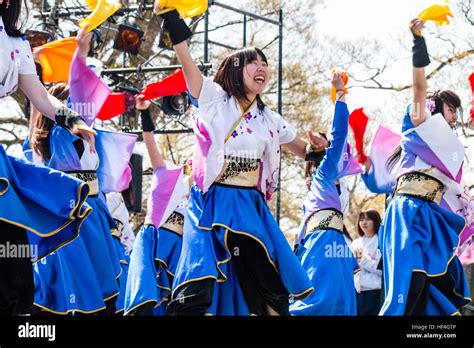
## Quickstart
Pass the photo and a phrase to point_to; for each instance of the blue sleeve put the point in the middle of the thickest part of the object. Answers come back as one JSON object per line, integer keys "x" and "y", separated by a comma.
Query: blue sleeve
{"x": 64, "y": 156}
{"x": 340, "y": 125}
{"x": 192, "y": 99}
{"x": 26, "y": 144}
{"x": 407, "y": 123}
{"x": 373, "y": 186}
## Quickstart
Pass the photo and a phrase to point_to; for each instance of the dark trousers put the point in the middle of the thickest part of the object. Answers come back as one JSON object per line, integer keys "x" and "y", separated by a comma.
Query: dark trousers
{"x": 17, "y": 288}
{"x": 418, "y": 294}
{"x": 260, "y": 283}
{"x": 369, "y": 302}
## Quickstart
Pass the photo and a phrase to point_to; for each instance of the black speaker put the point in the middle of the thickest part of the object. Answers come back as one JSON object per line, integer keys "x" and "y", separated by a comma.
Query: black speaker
{"x": 132, "y": 196}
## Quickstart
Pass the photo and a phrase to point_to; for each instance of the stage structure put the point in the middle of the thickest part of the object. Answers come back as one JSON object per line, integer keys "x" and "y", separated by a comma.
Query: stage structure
{"x": 47, "y": 29}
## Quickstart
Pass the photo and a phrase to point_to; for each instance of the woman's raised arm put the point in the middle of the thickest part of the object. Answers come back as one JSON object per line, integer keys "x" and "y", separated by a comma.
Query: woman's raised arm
{"x": 148, "y": 134}
{"x": 420, "y": 60}
{"x": 179, "y": 32}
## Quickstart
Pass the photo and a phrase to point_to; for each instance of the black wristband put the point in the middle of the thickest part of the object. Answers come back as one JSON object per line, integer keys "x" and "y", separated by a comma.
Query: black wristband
{"x": 174, "y": 30}
{"x": 315, "y": 156}
{"x": 147, "y": 122}
{"x": 420, "y": 52}
{"x": 68, "y": 118}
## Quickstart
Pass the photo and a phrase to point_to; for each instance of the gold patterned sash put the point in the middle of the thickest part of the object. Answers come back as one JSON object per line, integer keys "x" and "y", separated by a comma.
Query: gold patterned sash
{"x": 175, "y": 223}
{"x": 420, "y": 185}
{"x": 325, "y": 219}
{"x": 242, "y": 172}
{"x": 90, "y": 177}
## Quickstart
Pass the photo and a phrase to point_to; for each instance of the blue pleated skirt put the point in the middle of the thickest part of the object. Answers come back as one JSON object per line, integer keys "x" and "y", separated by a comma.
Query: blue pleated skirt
{"x": 330, "y": 265}
{"x": 152, "y": 268}
{"x": 205, "y": 255}
{"x": 84, "y": 274}
{"x": 27, "y": 200}
{"x": 420, "y": 236}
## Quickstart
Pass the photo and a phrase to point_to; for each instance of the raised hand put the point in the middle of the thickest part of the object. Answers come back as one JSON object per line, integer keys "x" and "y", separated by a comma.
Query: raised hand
{"x": 416, "y": 26}
{"x": 83, "y": 39}
{"x": 140, "y": 103}
{"x": 337, "y": 81}
{"x": 157, "y": 7}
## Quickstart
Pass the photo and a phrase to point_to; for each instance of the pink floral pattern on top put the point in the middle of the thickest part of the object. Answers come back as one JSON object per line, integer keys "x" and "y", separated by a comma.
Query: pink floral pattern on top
{"x": 247, "y": 117}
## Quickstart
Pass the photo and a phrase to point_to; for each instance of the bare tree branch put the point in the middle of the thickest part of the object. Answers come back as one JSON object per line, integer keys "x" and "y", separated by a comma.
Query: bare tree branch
{"x": 433, "y": 73}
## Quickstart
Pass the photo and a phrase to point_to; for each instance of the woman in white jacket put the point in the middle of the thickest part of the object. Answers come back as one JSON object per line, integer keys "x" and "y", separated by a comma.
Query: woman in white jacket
{"x": 368, "y": 281}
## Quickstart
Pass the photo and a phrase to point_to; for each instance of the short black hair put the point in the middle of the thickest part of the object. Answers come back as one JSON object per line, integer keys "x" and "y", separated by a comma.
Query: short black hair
{"x": 447, "y": 97}
{"x": 230, "y": 74}
{"x": 11, "y": 17}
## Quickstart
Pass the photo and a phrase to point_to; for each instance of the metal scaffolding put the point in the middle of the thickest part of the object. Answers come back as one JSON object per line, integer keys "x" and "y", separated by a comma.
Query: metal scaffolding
{"x": 51, "y": 14}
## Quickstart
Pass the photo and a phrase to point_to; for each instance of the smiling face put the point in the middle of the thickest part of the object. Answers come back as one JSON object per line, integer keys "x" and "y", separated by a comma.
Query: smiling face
{"x": 256, "y": 76}
{"x": 244, "y": 74}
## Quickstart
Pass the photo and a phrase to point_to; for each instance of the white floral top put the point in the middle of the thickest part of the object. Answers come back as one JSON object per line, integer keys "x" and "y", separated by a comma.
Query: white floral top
{"x": 16, "y": 59}
{"x": 258, "y": 136}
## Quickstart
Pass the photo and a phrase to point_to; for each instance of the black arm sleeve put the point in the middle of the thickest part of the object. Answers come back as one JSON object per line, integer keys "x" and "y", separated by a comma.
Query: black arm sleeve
{"x": 420, "y": 52}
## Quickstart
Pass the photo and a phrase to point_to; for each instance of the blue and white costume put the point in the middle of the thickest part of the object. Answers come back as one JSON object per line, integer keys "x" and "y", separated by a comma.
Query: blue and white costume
{"x": 158, "y": 244}
{"x": 235, "y": 165}
{"x": 419, "y": 237}
{"x": 82, "y": 276}
{"x": 26, "y": 199}
{"x": 322, "y": 249}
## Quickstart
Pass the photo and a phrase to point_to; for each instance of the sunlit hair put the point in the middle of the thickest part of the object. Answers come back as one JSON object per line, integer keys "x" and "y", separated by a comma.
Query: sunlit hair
{"x": 372, "y": 215}
{"x": 39, "y": 134}
{"x": 230, "y": 74}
